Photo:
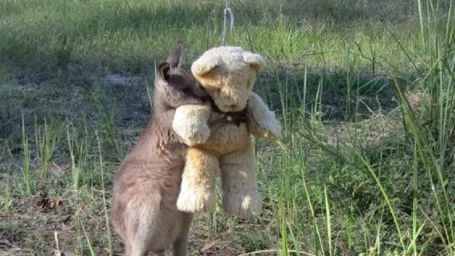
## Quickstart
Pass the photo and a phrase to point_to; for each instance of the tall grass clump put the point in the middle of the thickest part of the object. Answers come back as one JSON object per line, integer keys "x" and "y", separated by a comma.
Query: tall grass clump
{"x": 344, "y": 194}
{"x": 28, "y": 179}
{"x": 434, "y": 138}
{"x": 46, "y": 138}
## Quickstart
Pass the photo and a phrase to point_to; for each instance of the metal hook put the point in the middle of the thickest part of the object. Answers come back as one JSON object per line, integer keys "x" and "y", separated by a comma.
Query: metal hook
{"x": 231, "y": 16}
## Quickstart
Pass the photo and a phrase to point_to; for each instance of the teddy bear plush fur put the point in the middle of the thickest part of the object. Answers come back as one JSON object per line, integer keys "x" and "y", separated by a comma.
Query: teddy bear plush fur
{"x": 227, "y": 74}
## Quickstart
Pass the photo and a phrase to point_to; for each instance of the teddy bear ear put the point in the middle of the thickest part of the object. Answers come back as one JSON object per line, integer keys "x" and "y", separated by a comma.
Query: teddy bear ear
{"x": 255, "y": 60}
{"x": 204, "y": 65}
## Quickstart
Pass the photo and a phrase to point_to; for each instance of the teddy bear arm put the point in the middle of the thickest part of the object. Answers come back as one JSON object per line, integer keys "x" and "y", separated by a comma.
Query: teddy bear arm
{"x": 190, "y": 123}
{"x": 262, "y": 122}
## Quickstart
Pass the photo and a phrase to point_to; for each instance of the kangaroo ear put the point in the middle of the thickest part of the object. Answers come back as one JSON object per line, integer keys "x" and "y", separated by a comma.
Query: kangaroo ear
{"x": 175, "y": 58}
{"x": 255, "y": 60}
{"x": 164, "y": 71}
{"x": 204, "y": 65}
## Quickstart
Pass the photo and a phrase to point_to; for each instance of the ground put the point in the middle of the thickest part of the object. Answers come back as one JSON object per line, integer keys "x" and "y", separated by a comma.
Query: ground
{"x": 356, "y": 173}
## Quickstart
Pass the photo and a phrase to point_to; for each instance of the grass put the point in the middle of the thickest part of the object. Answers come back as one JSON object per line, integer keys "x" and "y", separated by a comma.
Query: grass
{"x": 364, "y": 91}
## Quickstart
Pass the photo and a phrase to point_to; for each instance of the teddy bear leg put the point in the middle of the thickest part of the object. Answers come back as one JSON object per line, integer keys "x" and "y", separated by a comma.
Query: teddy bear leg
{"x": 241, "y": 196}
{"x": 197, "y": 190}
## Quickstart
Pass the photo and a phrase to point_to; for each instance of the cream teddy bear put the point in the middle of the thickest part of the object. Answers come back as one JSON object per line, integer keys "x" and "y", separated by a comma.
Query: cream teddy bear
{"x": 227, "y": 74}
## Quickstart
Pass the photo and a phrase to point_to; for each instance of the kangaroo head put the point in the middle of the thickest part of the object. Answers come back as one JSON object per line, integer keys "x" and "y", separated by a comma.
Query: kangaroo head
{"x": 176, "y": 84}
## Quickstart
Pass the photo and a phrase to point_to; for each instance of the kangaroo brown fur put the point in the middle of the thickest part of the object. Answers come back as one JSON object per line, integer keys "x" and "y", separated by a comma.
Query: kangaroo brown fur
{"x": 147, "y": 183}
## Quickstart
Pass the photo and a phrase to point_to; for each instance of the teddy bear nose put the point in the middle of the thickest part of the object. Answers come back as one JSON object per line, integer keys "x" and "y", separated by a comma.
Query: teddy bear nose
{"x": 233, "y": 106}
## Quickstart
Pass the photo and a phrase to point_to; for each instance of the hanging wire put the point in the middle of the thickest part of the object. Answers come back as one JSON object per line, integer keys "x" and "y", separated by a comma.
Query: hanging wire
{"x": 231, "y": 14}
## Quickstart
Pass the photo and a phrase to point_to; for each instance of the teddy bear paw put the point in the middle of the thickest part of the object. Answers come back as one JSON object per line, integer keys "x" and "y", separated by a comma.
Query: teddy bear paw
{"x": 270, "y": 134}
{"x": 195, "y": 139}
{"x": 243, "y": 206}
{"x": 192, "y": 138}
{"x": 195, "y": 201}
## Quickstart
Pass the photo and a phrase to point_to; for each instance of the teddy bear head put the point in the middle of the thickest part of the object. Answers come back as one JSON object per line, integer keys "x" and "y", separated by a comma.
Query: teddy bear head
{"x": 228, "y": 73}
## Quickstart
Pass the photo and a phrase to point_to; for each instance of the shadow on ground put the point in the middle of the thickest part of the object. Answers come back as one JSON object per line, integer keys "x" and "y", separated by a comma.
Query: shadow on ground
{"x": 333, "y": 96}
{"x": 336, "y": 96}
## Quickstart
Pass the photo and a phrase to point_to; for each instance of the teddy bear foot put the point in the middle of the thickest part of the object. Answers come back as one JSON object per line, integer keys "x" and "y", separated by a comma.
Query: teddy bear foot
{"x": 195, "y": 201}
{"x": 243, "y": 206}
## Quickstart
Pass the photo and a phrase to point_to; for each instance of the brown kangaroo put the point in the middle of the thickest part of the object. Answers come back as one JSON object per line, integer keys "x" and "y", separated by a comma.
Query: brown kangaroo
{"x": 147, "y": 183}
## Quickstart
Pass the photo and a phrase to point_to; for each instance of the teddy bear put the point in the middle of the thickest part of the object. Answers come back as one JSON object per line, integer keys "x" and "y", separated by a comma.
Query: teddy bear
{"x": 227, "y": 74}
